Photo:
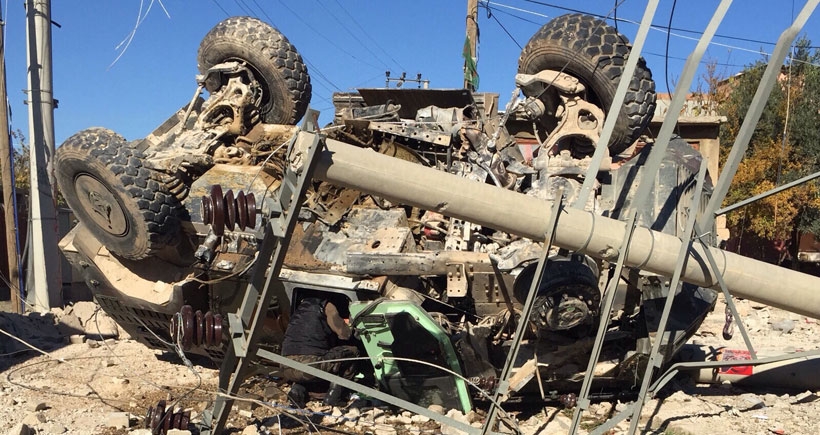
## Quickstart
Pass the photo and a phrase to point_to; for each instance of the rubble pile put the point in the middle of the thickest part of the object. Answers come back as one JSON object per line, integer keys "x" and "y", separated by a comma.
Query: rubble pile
{"x": 108, "y": 388}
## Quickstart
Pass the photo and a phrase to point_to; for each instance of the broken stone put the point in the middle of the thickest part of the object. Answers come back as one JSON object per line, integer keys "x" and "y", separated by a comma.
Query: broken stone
{"x": 753, "y": 402}
{"x": 353, "y": 413}
{"x": 438, "y": 409}
{"x": 805, "y": 397}
{"x": 245, "y": 413}
{"x": 119, "y": 381}
{"x": 449, "y": 430}
{"x": 34, "y": 418}
{"x": 785, "y": 326}
{"x": 101, "y": 327}
{"x": 401, "y": 419}
{"x": 457, "y": 415}
{"x": 419, "y": 419}
{"x": 21, "y": 429}
{"x": 250, "y": 430}
{"x": 76, "y": 339}
{"x": 83, "y": 310}
{"x": 385, "y": 431}
{"x": 473, "y": 417}
{"x": 117, "y": 420}
{"x": 601, "y": 409}
{"x": 53, "y": 428}
{"x": 559, "y": 424}
{"x": 178, "y": 432}
{"x": 67, "y": 323}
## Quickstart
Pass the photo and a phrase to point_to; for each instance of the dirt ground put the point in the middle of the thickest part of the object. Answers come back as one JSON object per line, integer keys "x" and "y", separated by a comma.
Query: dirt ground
{"x": 95, "y": 386}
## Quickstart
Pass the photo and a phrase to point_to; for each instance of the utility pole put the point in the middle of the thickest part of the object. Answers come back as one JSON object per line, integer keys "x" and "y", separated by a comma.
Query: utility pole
{"x": 471, "y": 47}
{"x": 9, "y": 201}
{"x": 44, "y": 258}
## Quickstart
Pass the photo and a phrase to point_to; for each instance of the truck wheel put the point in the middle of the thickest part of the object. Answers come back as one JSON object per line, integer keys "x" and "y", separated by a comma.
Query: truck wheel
{"x": 114, "y": 196}
{"x": 595, "y": 53}
{"x": 273, "y": 60}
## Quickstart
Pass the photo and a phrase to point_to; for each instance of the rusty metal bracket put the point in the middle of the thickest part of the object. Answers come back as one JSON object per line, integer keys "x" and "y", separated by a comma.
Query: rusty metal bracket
{"x": 457, "y": 282}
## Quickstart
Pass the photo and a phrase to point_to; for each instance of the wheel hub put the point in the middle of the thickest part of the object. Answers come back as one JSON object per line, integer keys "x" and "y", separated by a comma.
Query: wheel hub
{"x": 102, "y": 206}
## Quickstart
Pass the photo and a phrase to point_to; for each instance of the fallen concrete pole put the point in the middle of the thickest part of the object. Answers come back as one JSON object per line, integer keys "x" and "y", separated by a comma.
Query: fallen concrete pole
{"x": 597, "y": 236}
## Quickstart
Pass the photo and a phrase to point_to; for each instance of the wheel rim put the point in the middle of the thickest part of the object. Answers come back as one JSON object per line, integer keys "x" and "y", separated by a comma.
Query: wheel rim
{"x": 101, "y": 205}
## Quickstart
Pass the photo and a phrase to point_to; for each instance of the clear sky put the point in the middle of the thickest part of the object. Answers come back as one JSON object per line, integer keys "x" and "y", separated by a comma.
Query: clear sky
{"x": 347, "y": 44}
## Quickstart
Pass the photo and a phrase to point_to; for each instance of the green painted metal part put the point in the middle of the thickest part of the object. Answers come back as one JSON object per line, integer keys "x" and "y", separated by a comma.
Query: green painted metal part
{"x": 393, "y": 331}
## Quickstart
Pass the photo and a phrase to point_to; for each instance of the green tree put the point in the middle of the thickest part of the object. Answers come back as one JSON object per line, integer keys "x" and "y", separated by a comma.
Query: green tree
{"x": 784, "y": 147}
{"x": 21, "y": 160}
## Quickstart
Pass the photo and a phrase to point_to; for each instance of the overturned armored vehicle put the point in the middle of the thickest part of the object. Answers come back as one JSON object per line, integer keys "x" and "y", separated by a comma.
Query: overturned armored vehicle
{"x": 424, "y": 221}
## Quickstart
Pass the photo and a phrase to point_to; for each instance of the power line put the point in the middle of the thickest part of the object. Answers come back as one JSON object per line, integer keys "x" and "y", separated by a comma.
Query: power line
{"x": 656, "y": 27}
{"x": 491, "y": 15}
{"x": 244, "y": 7}
{"x": 220, "y": 7}
{"x": 320, "y": 34}
{"x": 365, "y": 32}
{"x": 668, "y": 36}
{"x": 344, "y": 26}
{"x": 270, "y": 20}
{"x": 320, "y": 74}
{"x": 501, "y": 11}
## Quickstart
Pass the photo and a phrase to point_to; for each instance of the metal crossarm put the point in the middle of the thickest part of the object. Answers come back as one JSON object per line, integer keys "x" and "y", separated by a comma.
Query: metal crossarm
{"x": 656, "y": 356}
{"x": 617, "y": 104}
{"x": 603, "y": 325}
{"x": 246, "y": 323}
{"x": 503, "y": 383}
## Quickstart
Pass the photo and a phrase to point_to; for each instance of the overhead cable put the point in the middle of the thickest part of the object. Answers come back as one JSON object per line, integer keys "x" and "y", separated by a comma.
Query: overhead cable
{"x": 353, "y": 35}
{"x": 321, "y": 35}
{"x": 366, "y": 33}
{"x": 655, "y": 27}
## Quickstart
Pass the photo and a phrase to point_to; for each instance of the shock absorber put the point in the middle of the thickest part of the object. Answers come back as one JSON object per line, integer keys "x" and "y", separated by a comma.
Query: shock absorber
{"x": 193, "y": 328}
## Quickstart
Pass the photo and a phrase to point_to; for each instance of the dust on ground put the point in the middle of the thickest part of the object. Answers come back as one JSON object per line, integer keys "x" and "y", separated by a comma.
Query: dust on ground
{"x": 96, "y": 380}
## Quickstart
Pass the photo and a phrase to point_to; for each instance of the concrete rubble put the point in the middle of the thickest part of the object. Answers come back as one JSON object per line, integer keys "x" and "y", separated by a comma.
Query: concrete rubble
{"x": 110, "y": 387}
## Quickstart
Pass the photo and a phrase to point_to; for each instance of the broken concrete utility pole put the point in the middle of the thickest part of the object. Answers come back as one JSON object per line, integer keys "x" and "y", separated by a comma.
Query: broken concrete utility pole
{"x": 579, "y": 230}
{"x": 44, "y": 258}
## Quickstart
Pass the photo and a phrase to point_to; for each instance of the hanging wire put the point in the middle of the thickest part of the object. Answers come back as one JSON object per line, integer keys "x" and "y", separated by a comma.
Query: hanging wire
{"x": 221, "y": 8}
{"x": 321, "y": 35}
{"x": 658, "y": 28}
{"x": 353, "y": 35}
{"x": 125, "y": 43}
{"x": 366, "y": 33}
{"x": 491, "y": 15}
{"x": 666, "y": 53}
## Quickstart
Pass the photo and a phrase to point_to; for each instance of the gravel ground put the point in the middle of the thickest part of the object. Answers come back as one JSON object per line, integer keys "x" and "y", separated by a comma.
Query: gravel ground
{"x": 100, "y": 386}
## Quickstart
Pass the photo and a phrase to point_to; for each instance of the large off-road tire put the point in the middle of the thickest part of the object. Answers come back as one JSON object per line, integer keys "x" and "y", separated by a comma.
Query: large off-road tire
{"x": 114, "y": 196}
{"x": 595, "y": 53}
{"x": 273, "y": 59}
